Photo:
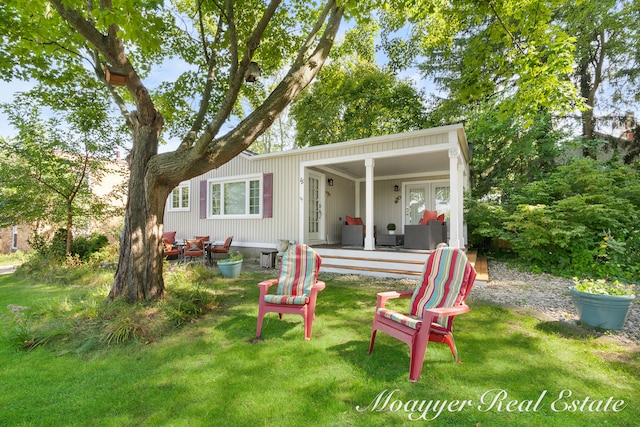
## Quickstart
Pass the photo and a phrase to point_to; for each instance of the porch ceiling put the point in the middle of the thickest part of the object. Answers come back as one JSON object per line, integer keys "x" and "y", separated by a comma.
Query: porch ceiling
{"x": 413, "y": 164}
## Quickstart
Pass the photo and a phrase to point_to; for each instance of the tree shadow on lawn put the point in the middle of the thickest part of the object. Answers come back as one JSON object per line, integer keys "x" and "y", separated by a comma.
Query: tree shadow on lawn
{"x": 568, "y": 330}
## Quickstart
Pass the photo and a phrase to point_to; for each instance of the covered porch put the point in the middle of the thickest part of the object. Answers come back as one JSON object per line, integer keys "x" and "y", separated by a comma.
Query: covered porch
{"x": 385, "y": 180}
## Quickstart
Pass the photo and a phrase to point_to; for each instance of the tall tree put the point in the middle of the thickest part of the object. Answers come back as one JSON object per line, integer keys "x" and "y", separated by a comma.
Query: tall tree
{"x": 605, "y": 52}
{"x": 505, "y": 55}
{"x": 353, "y": 98}
{"x": 504, "y": 68}
{"x": 360, "y": 101}
{"x": 220, "y": 45}
{"x": 522, "y": 57}
{"x": 508, "y": 155}
{"x": 47, "y": 167}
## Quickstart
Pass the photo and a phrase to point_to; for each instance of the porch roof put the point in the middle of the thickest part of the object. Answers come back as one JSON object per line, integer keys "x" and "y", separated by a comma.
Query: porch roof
{"x": 388, "y": 163}
{"x": 403, "y": 165}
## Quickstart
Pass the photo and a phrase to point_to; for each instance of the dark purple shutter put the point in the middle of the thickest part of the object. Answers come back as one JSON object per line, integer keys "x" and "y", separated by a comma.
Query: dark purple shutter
{"x": 267, "y": 195}
{"x": 203, "y": 199}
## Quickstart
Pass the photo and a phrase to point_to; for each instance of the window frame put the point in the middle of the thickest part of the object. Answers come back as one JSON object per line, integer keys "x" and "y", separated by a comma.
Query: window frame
{"x": 247, "y": 179}
{"x": 180, "y": 188}
{"x": 14, "y": 238}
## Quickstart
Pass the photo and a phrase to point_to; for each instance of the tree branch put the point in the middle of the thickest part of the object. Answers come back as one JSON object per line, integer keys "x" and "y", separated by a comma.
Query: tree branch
{"x": 298, "y": 77}
{"x": 99, "y": 72}
{"x": 112, "y": 48}
{"x": 504, "y": 26}
{"x": 206, "y": 95}
{"x": 313, "y": 33}
{"x": 236, "y": 78}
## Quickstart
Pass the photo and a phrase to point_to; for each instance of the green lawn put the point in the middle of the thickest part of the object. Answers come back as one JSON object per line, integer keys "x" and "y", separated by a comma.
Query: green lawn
{"x": 517, "y": 370}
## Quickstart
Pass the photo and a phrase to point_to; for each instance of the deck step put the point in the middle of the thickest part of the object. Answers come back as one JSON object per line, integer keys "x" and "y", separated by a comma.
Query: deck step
{"x": 388, "y": 263}
{"x": 380, "y": 271}
{"x": 396, "y": 261}
{"x": 482, "y": 270}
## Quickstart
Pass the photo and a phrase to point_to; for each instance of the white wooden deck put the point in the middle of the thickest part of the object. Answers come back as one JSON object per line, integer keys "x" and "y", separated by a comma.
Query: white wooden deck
{"x": 383, "y": 262}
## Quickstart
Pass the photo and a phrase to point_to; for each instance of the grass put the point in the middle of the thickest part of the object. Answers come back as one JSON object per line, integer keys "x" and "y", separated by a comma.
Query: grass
{"x": 206, "y": 368}
{"x": 14, "y": 258}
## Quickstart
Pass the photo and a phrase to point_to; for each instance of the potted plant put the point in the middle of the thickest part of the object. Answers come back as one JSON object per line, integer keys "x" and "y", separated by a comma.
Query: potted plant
{"x": 391, "y": 228}
{"x": 602, "y": 304}
{"x": 231, "y": 267}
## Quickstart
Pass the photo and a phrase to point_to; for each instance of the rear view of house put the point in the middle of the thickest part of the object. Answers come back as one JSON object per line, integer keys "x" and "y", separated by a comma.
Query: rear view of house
{"x": 305, "y": 195}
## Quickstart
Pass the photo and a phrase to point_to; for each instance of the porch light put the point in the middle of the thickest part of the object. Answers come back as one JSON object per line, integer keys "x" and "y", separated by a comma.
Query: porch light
{"x": 330, "y": 182}
{"x": 252, "y": 72}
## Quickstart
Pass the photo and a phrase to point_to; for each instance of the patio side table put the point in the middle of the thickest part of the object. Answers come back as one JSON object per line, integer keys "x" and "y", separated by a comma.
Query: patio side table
{"x": 390, "y": 239}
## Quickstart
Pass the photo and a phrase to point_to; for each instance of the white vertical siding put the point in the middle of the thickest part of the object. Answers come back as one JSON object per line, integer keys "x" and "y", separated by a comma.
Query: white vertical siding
{"x": 284, "y": 223}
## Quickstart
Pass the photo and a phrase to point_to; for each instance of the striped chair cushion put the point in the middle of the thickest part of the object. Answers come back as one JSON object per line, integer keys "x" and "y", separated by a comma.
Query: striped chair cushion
{"x": 299, "y": 272}
{"x": 413, "y": 322}
{"x": 444, "y": 283}
{"x": 286, "y": 299}
{"x": 405, "y": 319}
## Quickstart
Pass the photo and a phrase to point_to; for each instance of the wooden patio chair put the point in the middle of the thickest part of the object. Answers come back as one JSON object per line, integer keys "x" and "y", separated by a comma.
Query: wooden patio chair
{"x": 446, "y": 282}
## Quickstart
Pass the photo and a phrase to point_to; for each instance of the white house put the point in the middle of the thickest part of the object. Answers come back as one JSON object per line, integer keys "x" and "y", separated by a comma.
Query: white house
{"x": 304, "y": 196}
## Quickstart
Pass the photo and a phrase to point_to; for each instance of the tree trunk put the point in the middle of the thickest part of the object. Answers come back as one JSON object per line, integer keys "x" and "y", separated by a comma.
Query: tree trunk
{"x": 69, "y": 243}
{"x": 139, "y": 273}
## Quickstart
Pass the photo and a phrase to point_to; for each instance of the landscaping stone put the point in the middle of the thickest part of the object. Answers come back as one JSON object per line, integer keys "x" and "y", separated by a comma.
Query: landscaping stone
{"x": 545, "y": 295}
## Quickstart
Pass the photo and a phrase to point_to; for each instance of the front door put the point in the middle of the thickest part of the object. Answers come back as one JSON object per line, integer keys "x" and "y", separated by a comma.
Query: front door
{"x": 315, "y": 206}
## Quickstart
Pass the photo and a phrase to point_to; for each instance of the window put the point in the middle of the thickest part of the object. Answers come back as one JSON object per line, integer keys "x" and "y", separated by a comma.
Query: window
{"x": 14, "y": 237}
{"x": 179, "y": 197}
{"x": 239, "y": 198}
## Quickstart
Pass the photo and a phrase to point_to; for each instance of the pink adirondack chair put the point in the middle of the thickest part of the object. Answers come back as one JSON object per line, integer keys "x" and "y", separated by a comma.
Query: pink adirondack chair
{"x": 297, "y": 290}
{"x": 446, "y": 282}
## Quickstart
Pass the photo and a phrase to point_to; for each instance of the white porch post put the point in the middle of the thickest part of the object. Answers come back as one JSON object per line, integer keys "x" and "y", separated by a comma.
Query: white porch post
{"x": 357, "y": 200}
{"x": 369, "y": 240}
{"x": 456, "y": 180}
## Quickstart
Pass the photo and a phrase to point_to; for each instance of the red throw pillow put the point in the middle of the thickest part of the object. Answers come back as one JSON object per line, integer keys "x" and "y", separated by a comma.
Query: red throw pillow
{"x": 441, "y": 218}
{"x": 428, "y": 216}
{"x": 170, "y": 236}
{"x": 351, "y": 221}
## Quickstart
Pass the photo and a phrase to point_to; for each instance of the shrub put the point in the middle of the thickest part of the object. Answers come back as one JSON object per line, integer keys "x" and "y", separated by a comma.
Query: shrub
{"x": 583, "y": 218}
{"x": 85, "y": 246}
{"x": 484, "y": 221}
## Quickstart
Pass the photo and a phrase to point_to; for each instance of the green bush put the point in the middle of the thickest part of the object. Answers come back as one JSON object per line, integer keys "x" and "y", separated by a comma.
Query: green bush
{"x": 85, "y": 246}
{"x": 484, "y": 221}
{"x": 583, "y": 218}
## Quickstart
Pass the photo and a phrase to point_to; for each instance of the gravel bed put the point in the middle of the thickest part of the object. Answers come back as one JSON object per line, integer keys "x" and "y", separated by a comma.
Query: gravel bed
{"x": 545, "y": 296}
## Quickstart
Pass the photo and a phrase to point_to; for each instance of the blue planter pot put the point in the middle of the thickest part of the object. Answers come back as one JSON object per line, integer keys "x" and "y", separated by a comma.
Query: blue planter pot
{"x": 230, "y": 269}
{"x": 602, "y": 311}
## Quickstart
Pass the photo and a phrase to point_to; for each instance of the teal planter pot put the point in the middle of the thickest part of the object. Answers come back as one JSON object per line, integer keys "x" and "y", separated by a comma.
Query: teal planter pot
{"x": 230, "y": 269}
{"x": 602, "y": 311}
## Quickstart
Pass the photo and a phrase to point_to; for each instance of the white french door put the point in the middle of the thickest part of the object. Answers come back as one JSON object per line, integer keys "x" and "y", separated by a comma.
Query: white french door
{"x": 416, "y": 202}
{"x": 314, "y": 207}
{"x": 422, "y": 196}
